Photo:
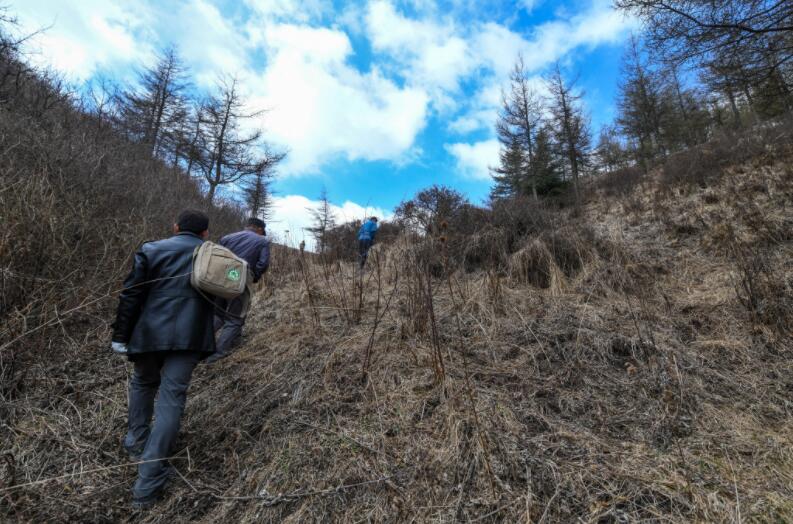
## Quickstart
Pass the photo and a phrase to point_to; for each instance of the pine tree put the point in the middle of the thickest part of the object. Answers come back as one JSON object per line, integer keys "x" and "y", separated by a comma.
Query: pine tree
{"x": 545, "y": 165}
{"x": 569, "y": 127}
{"x": 517, "y": 126}
{"x": 507, "y": 176}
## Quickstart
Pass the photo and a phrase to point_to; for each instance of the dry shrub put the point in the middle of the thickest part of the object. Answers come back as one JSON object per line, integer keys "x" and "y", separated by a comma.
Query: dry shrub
{"x": 700, "y": 165}
{"x": 763, "y": 288}
{"x": 486, "y": 249}
{"x": 549, "y": 259}
{"x": 520, "y": 218}
{"x": 620, "y": 182}
{"x": 534, "y": 264}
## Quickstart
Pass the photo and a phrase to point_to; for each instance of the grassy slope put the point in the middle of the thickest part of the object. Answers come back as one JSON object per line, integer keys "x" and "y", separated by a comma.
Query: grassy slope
{"x": 636, "y": 386}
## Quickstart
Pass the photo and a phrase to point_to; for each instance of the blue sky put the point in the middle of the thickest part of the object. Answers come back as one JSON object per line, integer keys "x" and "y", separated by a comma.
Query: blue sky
{"x": 373, "y": 99}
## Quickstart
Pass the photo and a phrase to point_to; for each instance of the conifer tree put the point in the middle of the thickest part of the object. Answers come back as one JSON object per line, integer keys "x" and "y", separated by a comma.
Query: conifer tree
{"x": 569, "y": 126}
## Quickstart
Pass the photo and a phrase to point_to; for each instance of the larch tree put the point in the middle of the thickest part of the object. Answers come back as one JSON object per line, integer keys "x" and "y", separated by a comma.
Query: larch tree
{"x": 759, "y": 31}
{"x": 640, "y": 105}
{"x": 518, "y": 123}
{"x": 225, "y": 153}
{"x": 512, "y": 165}
{"x": 322, "y": 221}
{"x": 153, "y": 112}
{"x": 256, "y": 192}
{"x": 569, "y": 126}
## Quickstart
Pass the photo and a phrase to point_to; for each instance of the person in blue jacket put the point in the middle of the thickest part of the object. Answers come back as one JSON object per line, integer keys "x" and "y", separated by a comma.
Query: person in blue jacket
{"x": 366, "y": 236}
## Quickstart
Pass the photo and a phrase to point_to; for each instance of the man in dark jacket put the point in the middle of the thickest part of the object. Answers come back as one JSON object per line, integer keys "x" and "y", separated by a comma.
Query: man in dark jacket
{"x": 165, "y": 328}
{"x": 252, "y": 246}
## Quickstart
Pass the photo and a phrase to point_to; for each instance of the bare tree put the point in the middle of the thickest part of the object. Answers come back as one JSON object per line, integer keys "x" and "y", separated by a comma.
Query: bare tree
{"x": 256, "y": 191}
{"x": 757, "y": 30}
{"x": 640, "y": 105}
{"x": 610, "y": 152}
{"x": 154, "y": 111}
{"x": 323, "y": 221}
{"x": 224, "y": 153}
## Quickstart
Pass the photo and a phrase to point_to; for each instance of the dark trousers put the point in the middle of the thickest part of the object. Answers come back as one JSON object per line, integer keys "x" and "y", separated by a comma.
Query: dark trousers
{"x": 229, "y": 320}
{"x": 363, "y": 251}
{"x": 169, "y": 372}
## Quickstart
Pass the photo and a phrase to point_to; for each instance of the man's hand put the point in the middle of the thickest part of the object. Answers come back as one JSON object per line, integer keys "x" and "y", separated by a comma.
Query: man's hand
{"x": 119, "y": 347}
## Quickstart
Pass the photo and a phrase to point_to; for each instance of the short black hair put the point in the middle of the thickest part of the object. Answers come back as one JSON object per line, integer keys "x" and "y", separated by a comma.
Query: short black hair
{"x": 193, "y": 221}
{"x": 374, "y": 218}
{"x": 256, "y": 222}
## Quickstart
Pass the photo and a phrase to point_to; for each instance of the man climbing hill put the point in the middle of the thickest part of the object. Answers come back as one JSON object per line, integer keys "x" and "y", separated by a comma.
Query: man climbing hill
{"x": 164, "y": 326}
{"x": 366, "y": 236}
{"x": 252, "y": 246}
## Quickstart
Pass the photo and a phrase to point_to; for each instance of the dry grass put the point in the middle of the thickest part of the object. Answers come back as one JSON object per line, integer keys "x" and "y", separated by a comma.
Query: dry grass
{"x": 605, "y": 373}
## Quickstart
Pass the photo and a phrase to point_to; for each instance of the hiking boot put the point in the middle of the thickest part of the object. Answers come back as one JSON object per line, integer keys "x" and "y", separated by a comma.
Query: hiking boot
{"x": 134, "y": 454}
{"x": 144, "y": 503}
{"x": 214, "y": 357}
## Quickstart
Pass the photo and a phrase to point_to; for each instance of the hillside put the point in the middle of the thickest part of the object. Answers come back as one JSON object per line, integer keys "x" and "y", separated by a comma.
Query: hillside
{"x": 632, "y": 364}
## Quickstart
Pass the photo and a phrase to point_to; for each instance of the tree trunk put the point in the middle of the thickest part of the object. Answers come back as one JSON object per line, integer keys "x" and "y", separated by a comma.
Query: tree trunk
{"x": 211, "y": 193}
{"x": 735, "y": 112}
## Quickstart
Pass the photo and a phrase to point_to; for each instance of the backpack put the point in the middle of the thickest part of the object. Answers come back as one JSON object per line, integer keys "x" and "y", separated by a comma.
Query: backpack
{"x": 218, "y": 271}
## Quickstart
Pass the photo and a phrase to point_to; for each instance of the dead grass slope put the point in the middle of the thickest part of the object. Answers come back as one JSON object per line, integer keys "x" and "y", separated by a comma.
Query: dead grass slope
{"x": 614, "y": 372}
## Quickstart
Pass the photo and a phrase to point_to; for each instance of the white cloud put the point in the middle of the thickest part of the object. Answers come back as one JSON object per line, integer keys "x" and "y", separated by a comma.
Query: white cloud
{"x": 475, "y": 160}
{"x": 291, "y": 217}
{"x": 79, "y": 39}
{"x": 429, "y": 53}
{"x": 295, "y": 59}
{"x": 530, "y": 5}
{"x": 295, "y": 10}
{"x": 498, "y": 47}
{"x": 321, "y": 107}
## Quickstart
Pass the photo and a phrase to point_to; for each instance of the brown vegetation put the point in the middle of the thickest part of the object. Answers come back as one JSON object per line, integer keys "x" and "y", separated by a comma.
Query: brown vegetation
{"x": 622, "y": 367}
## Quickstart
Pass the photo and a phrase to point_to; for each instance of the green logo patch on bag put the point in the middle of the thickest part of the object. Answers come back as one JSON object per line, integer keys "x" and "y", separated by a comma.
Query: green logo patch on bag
{"x": 233, "y": 274}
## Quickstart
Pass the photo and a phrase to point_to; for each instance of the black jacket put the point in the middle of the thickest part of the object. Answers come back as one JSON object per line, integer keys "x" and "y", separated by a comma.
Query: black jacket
{"x": 158, "y": 309}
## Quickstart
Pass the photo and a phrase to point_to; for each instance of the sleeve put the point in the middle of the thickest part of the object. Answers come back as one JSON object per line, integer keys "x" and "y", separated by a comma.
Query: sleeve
{"x": 132, "y": 298}
{"x": 263, "y": 262}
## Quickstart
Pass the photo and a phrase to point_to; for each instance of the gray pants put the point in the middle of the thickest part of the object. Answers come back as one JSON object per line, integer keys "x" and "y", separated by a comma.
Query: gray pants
{"x": 363, "y": 251}
{"x": 169, "y": 372}
{"x": 229, "y": 319}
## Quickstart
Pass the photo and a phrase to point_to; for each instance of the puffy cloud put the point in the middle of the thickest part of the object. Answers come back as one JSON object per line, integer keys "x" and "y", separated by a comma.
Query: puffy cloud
{"x": 296, "y": 60}
{"x": 80, "y": 39}
{"x": 291, "y": 216}
{"x": 474, "y": 160}
{"x": 319, "y": 106}
{"x": 498, "y": 46}
{"x": 428, "y": 53}
{"x": 295, "y": 10}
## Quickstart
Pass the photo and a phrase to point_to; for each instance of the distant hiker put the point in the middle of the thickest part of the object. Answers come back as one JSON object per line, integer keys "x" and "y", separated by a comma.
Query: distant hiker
{"x": 165, "y": 328}
{"x": 366, "y": 237}
{"x": 302, "y": 246}
{"x": 252, "y": 246}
